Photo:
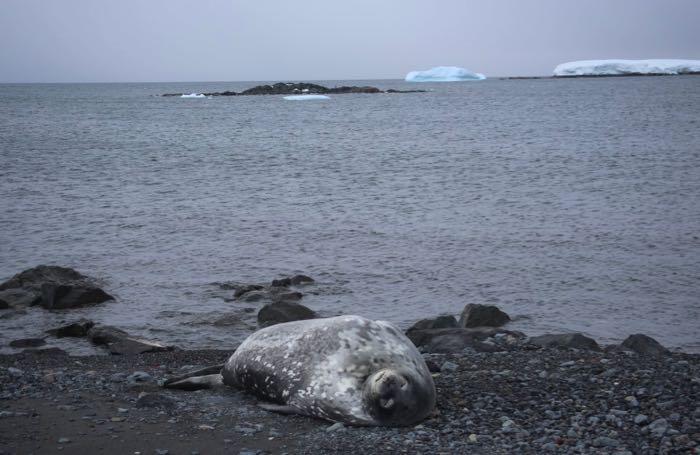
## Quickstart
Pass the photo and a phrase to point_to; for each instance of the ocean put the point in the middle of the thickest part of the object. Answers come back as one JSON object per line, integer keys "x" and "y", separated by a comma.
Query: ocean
{"x": 571, "y": 204}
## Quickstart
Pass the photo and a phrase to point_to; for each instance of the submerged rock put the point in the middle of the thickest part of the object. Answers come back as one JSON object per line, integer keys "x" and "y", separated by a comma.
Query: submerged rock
{"x": 295, "y": 280}
{"x": 565, "y": 340}
{"x": 243, "y": 289}
{"x": 120, "y": 342}
{"x": 278, "y": 312}
{"x": 644, "y": 345}
{"x": 75, "y": 329}
{"x": 476, "y": 315}
{"x": 18, "y": 298}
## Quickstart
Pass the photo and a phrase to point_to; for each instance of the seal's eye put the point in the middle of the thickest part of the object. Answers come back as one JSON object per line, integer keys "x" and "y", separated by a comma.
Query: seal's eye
{"x": 386, "y": 403}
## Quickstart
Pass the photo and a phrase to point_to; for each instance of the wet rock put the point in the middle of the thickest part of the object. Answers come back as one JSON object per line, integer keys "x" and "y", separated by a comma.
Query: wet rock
{"x": 155, "y": 400}
{"x": 76, "y": 329}
{"x": 62, "y": 296}
{"x": 644, "y": 345}
{"x": 28, "y": 343}
{"x": 255, "y": 296}
{"x": 18, "y": 298}
{"x": 246, "y": 288}
{"x": 449, "y": 366}
{"x": 15, "y": 372}
{"x": 277, "y": 312}
{"x": 565, "y": 340}
{"x": 658, "y": 427}
{"x": 440, "y": 322}
{"x": 34, "y": 278}
{"x": 457, "y": 339}
{"x": 292, "y": 296}
{"x": 295, "y": 280}
{"x": 475, "y": 315}
{"x": 121, "y": 343}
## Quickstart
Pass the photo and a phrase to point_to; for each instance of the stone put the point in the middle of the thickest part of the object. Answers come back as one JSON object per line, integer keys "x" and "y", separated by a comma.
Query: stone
{"x": 120, "y": 342}
{"x": 33, "y": 278}
{"x": 28, "y": 343}
{"x": 75, "y": 329}
{"x": 15, "y": 372}
{"x": 454, "y": 340}
{"x": 18, "y": 298}
{"x": 440, "y": 322}
{"x": 255, "y": 296}
{"x": 644, "y": 345}
{"x": 565, "y": 340}
{"x": 292, "y": 296}
{"x": 278, "y": 312}
{"x": 449, "y": 366}
{"x": 476, "y": 315}
{"x": 298, "y": 280}
{"x": 62, "y": 296}
{"x": 658, "y": 427}
{"x": 640, "y": 419}
{"x": 245, "y": 288}
{"x": 154, "y": 400}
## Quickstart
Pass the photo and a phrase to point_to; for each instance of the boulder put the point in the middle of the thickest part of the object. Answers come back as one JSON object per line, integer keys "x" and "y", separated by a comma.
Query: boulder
{"x": 255, "y": 296}
{"x": 286, "y": 296}
{"x": 441, "y": 322}
{"x": 456, "y": 339}
{"x": 278, "y": 312}
{"x": 242, "y": 289}
{"x": 120, "y": 342}
{"x": 565, "y": 340}
{"x": 28, "y": 343}
{"x": 52, "y": 287}
{"x": 295, "y": 280}
{"x": 18, "y": 297}
{"x": 476, "y": 315}
{"x": 62, "y": 296}
{"x": 644, "y": 345}
{"x": 75, "y": 329}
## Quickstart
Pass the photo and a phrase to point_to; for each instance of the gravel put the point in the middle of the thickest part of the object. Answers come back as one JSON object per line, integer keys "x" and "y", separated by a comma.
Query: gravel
{"x": 522, "y": 400}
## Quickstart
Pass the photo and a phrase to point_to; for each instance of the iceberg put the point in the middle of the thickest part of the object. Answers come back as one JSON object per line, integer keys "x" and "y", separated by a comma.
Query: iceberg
{"x": 444, "y": 74}
{"x": 193, "y": 95}
{"x": 306, "y": 97}
{"x": 627, "y": 67}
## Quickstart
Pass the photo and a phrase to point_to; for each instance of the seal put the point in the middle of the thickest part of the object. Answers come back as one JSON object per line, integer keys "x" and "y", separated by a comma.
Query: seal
{"x": 344, "y": 369}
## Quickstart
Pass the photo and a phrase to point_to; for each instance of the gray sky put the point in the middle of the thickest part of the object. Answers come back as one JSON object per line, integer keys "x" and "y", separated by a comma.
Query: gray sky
{"x": 226, "y": 40}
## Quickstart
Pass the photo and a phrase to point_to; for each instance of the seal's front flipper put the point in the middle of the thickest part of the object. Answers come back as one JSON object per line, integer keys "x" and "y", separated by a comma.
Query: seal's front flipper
{"x": 279, "y": 408}
{"x": 195, "y": 382}
{"x": 192, "y": 385}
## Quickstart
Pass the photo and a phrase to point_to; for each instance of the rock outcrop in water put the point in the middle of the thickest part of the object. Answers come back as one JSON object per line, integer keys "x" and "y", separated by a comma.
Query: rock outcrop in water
{"x": 300, "y": 88}
{"x": 51, "y": 287}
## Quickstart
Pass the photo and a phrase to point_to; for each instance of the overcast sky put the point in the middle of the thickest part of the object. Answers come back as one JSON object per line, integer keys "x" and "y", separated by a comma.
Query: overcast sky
{"x": 232, "y": 40}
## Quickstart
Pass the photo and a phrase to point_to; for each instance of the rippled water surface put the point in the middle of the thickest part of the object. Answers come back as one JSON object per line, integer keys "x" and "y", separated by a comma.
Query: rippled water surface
{"x": 573, "y": 205}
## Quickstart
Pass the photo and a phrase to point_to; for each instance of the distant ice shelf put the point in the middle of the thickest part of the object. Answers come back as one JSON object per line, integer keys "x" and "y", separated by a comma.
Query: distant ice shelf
{"x": 627, "y": 67}
{"x": 444, "y": 74}
{"x": 193, "y": 95}
{"x": 306, "y": 97}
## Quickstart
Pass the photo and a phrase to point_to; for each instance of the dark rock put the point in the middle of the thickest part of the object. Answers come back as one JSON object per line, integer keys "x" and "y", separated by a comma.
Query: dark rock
{"x": 565, "y": 340}
{"x": 353, "y": 89}
{"x": 255, "y": 296}
{"x": 301, "y": 279}
{"x": 245, "y": 288}
{"x": 28, "y": 343}
{"x": 52, "y": 351}
{"x": 35, "y": 277}
{"x": 284, "y": 88}
{"x": 456, "y": 339}
{"x": 433, "y": 367}
{"x": 53, "y": 287}
{"x": 18, "y": 297}
{"x": 476, "y": 315}
{"x": 56, "y": 297}
{"x": 440, "y": 322}
{"x": 282, "y": 282}
{"x": 644, "y": 345}
{"x": 155, "y": 400}
{"x": 278, "y": 312}
{"x": 120, "y": 342}
{"x": 78, "y": 328}
{"x": 391, "y": 90}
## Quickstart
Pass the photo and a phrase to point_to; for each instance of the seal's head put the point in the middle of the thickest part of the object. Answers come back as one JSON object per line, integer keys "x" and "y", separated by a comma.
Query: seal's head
{"x": 398, "y": 397}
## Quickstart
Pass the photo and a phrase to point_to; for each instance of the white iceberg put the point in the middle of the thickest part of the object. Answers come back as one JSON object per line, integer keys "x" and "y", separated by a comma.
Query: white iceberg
{"x": 193, "y": 95}
{"x": 626, "y": 67}
{"x": 444, "y": 74}
{"x": 306, "y": 97}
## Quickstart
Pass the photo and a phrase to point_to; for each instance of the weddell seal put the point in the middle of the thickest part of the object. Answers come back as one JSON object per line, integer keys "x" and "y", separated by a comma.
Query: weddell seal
{"x": 344, "y": 369}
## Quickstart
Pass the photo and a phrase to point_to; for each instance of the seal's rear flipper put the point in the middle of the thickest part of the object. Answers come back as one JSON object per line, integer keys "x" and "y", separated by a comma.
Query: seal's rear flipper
{"x": 279, "y": 408}
{"x": 206, "y": 378}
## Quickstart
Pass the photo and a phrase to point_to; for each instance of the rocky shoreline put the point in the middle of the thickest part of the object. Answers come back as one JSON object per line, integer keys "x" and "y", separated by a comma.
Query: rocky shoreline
{"x": 300, "y": 88}
{"x": 499, "y": 391}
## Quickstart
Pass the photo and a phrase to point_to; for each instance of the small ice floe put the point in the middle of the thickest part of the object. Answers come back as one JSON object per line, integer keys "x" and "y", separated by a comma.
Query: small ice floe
{"x": 306, "y": 97}
{"x": 193, "y": 95}
{"x": 627, "y": 67}
{"x": 444, "y": 74}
